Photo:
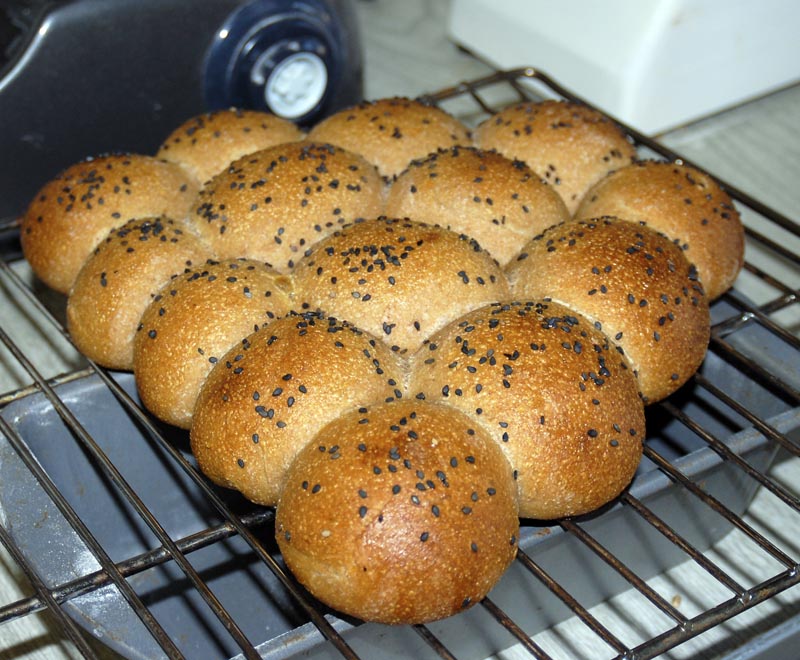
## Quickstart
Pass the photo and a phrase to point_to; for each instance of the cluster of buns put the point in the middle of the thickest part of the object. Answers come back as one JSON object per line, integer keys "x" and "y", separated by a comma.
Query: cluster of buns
{"x": 402, "y": 334}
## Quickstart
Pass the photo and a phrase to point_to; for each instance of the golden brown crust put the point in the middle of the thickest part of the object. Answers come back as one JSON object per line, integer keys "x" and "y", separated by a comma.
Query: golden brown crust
{"x": 399, "y": 513}
{"x": 270, "y": 394}
{"x": 683, "y": 203}
{"x": 74, "y": 211}
{"x": 118, "y": 281}
{"x": 206, "y": 144}
{"x": 568, "y": 144}
{"x": 193, "y": 321}
{"x": 499, "y": 202}
{"x": 551, "y": 390}
{"x": 391, "y": 132}
{"x": 274, "y": 204}
{"x": 399, "y": 279}
{"x": 635, "y": 283}
{"x": 398, "y": 484}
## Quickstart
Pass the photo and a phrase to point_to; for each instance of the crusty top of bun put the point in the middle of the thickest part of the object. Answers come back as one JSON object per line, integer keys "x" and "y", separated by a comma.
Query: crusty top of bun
{"x": 206, "y": 144}
{"x": 552, "y": 391}
{"x": 499, "y": 202}
{"x": 193, "y": 321}
{"x": 399, "y": 279}
{"x": 683, "y": 203}
{"x": 568, "y": 144}
{"x": 273, "y": 204}
{"x": 75, "y": 210}
{"x": 399, "y": 513}
{"x": 391, "y": 132}
{"x": 119, "y": 280}
{"x": 634, "y": 283}
{"x": 271, "y": 393}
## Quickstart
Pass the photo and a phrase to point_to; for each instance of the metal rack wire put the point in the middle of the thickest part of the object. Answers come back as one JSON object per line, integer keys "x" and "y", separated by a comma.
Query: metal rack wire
{"x": 505, "y": 617}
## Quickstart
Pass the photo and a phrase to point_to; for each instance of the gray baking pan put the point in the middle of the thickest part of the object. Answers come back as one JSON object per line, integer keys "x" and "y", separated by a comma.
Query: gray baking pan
{"x": 258, "y": 602}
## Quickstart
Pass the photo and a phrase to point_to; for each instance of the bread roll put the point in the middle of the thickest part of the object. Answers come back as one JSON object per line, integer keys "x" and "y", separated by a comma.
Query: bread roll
{"x": 74, "y": 211}
{"x": 118, "y": 281}
{"x": 391, "y": 132}
{"x": 274, "y": 204}
{"x": 399, "y": 513}
{"x": 568, "y": 144}
{"x": 206, "y": 144}
{"x": 399, "y": 279}
{"x": 499, "y": 202}
{"x": 193, "y": 321}
{"x": 270, "y": 394}
{"x": 685, "y": 204}
{"x": 634, "y": 283}
{"x": 551, "y": 390}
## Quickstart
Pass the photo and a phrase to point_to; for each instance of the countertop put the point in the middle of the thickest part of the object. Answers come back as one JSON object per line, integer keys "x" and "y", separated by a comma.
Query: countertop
{"x": 755, "y": 147}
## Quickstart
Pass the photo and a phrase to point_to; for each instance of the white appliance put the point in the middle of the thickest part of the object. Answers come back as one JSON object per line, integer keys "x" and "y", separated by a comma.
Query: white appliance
{"x": 653, "y": 64}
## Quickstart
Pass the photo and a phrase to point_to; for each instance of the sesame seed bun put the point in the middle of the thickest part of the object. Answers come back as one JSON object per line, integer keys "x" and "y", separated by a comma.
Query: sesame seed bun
{"x": 118, "y": 281}
{"x": 74, "y": 211}
{"x": 193, "y": 321}
{"x": 683, "y": 203}
{"x": 273, "y": 204}
{"x": 551, "y": 390}
{"x": 634, "y": 283}
{"x": 570, "y": 145}
{"x": 206, "y": 144}
{"x": 400, "y": 513}
{"x": 271, "y": 393}
{"x": 391, "y": 132}
{"x": 499, "y": 202}
{"x": 399, "y": 279}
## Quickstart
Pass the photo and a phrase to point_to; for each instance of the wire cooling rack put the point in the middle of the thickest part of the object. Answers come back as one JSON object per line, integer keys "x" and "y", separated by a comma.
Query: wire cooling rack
{"x": 118, "y": 536}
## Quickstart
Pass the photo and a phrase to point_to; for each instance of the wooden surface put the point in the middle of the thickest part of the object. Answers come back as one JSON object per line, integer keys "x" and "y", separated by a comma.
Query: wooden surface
{"x": 755, "y": 147}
